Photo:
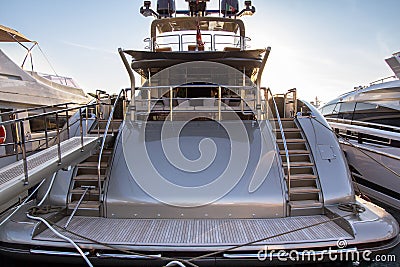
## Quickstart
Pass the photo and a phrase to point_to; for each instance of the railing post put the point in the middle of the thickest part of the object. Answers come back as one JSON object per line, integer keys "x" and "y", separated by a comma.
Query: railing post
{"x": 58, "y": 141}
{"x": 87, "y": 118}
{"x": 132, "y": 79}
{"x": 46, "y": 135}
{"x": 81, "y": 127}
{"x": 23, "y": 148}
{"x": 66, "y": 115}
{"x": 14, "y": 129}
{"x": 170, "y": 103}
{"x": 219, "y": 102}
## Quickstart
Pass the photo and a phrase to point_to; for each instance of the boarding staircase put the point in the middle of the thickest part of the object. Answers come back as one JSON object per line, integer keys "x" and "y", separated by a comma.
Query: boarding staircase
{"x": 304, "y": 196}
{"x": 87, "y": 185}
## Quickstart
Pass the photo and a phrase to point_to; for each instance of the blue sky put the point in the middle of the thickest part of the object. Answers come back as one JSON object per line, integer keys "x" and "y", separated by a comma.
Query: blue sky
{"x": 321, "y": 47}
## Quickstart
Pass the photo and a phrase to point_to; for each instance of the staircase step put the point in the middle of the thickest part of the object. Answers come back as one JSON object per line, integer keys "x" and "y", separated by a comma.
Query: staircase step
{"x": 89, "y": 177}
{"x": 306, "y": 207}
{"x": 80, "y": 191}
{"x": 304, "y": 190}
{"x": 282, "y": 119}
{"x": 305, "y": 204}
{"x": 106, "y": 152}
{"x": 293, "y": 151}
{"x": 298, "y": 164}
{"x": 91, "y": 205}
{"x": 102, "y": 131}
{"x": 295, "y": 130}
{"x": 302, "y": 177}
{"x": 95, "y": 158}
{"x": 113, "y": 120}
{"x": 290, "y": 140}
{"x": 92, "y": 164}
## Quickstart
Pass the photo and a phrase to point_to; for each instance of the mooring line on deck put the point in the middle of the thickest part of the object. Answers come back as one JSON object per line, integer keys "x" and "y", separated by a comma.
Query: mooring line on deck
{"x": 117, "y": 248}
{"x": 264, "y": 239}
{"x": 190, "y": 261}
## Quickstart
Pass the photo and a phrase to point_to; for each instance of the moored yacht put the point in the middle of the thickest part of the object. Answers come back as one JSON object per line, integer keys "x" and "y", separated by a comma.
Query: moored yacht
{"x": 199, "y": 166}
{"x": 20, "y": 89}
{"x": 27, "y": 93}
{"x": 368, "y": 119}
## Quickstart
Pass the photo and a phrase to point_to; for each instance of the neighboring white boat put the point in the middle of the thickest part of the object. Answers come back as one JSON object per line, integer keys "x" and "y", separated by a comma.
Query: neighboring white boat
{"x": 26, "y": 93}
{"x": 199, "y": 166}
{"x": 20, "y": 89}
{"x": 369, "y": 119}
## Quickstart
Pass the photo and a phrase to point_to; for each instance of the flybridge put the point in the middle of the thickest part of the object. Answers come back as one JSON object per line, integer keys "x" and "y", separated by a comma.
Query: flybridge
{"x": 167, "y": 9}
{"x": 200, "y": 31}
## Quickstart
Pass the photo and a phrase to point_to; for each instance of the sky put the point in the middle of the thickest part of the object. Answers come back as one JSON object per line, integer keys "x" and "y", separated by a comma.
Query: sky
{"x": 321, "y": 47}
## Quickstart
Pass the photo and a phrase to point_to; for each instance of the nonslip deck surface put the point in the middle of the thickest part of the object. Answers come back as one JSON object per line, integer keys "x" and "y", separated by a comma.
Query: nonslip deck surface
{"x": 42, "y": 158}
{"x": 198, "y": 232}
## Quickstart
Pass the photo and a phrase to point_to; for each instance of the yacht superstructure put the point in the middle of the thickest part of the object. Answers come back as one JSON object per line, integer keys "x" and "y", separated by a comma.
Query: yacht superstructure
{"x": 199, "y": 166}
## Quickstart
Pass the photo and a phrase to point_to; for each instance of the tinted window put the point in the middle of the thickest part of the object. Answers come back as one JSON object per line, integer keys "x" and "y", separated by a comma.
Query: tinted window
{"x": 377, "y": 114}
{"x": 328, "y": 109}
{"x": 346, "y": 110}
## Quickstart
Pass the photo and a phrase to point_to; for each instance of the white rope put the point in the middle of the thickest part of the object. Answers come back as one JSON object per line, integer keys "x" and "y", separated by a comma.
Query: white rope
{"x": 48, "y": 190}
{"x": 62, "y": 236}
{"x": 23, "y": 203}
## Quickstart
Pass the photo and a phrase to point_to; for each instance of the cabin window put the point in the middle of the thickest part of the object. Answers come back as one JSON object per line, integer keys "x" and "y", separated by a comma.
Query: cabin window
{"x": 346, "y": 110}
{"x": 38, "y": 124}
{"x": 328, "y": 110}
{"x": 10, "y": 77}
{"x": 331, "y": 111}
{"x": 376, "y": 114}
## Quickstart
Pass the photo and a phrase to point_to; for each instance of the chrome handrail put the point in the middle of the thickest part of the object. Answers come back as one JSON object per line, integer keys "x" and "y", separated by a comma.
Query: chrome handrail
{"x": 212, "y": 40}
{"x": 283, "y": 140}
{"x": 103, "y": 141}
{"x": 244, "y": 87}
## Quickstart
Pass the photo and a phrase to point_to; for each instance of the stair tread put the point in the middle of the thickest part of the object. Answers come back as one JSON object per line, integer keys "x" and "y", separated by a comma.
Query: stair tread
{"x": 80, "y": 191}
{"x": 291, "y": 140}
{"x": 304, "y": 189}
{"x": 298, "y": 164}
{"x": 102, "y": 131}
{"x": 91, "y": 204}
{"x": 88, "y": 177}
{"x": 92, "y": 164}
{"x": 293, "y": 151}
{"x": 282, "y": 119}
{"x": 287, "y": 130}
{"x": 302, "y": 176}
{"x": 305, "y": 204}
{"x": 113, "y": 120}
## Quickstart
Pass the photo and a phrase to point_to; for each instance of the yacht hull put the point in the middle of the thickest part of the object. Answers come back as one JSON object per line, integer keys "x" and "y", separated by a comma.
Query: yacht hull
{"x": 378, "y": 181}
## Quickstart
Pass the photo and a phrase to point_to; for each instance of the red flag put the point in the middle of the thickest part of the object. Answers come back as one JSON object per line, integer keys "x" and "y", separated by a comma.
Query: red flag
{"x": 230, "y": 8}
{"x": 199, "y": 40}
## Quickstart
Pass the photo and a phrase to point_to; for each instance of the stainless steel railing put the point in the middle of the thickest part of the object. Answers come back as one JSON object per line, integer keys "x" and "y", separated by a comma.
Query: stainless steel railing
{"x": 20, "y": 141}
{"x": 213, "y": 42}
{"x": 268, "y": 92}
{"x": 103, "y": 142}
